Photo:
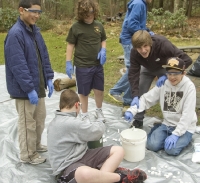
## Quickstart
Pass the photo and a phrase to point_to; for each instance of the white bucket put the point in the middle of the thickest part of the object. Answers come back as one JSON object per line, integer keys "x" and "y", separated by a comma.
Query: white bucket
{"x": 134, "y": 141}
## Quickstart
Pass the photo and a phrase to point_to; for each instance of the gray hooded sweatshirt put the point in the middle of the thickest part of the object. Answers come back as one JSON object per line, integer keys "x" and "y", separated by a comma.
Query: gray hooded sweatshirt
{"x": 67, "y": 139}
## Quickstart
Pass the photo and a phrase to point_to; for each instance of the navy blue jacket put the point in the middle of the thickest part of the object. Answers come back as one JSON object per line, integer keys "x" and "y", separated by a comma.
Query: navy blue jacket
{"x": 21, "y": 60}
{"x": 134, "y": 20}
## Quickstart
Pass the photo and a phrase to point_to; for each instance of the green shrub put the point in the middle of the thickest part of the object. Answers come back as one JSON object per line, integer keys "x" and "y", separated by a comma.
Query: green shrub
{"x": 8, "y": 17}
{"x": 165, "y": 20}
{"x": 44, "y": 22}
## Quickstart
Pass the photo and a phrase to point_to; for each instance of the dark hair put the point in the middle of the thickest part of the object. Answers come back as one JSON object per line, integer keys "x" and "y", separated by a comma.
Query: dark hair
{"x": 68, "y": 98}
{"x": 29, "y": 3}
{"x": 140, "y": 38}
{"x": 83, "y": 8}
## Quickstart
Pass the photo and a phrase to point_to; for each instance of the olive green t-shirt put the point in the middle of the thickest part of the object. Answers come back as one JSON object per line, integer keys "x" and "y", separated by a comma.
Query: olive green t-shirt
{"x": 87, "y": 39}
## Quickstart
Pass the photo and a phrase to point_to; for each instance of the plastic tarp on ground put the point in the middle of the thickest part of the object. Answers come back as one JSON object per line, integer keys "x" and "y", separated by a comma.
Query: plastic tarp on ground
{"x": 160, "y": 168}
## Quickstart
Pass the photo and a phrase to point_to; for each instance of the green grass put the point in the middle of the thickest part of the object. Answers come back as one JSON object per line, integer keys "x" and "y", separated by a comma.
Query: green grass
{"x": 56, "y": 45}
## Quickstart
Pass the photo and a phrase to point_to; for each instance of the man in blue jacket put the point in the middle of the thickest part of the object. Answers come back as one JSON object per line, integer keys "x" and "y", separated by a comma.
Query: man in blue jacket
{"x": 28, "y": 73}
{"x": 135, "y": 20}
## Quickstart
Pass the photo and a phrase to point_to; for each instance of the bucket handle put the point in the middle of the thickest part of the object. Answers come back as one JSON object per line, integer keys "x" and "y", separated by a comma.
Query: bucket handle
{"x": 133, "y": 143}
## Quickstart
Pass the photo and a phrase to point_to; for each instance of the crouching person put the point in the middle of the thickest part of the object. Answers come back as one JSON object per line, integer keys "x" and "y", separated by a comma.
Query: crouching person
{"x": 69, "y": 156}
{"x": 177, "y": 98}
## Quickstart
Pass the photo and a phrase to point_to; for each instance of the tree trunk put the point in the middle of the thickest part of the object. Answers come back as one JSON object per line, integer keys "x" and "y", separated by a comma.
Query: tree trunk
{"x": 171, "y": 5}
{"x": 125, "y": 5}
{"x": 189, "y": 8}
{"x": 185, "y": 6}
{"x": 1, "y": 4}
{"x": 176, "y": 5}
{"x": 161, "y": 3}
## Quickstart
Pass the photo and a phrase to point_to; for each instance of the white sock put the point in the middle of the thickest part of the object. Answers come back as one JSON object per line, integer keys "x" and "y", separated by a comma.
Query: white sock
{"x": 98, "y": 109}
{"x": 84, "y": 114}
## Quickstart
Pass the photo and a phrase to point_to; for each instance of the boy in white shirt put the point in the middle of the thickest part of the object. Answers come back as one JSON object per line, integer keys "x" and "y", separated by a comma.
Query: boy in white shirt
{"x": 177, "y": 98}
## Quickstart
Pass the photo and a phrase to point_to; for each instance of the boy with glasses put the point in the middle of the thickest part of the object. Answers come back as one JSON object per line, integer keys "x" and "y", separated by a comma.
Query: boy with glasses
{"x": 69, "y": 156}
{"x": 28, "y": 74}
{"x": 147, "y": 57}
{"x": 177, "y": 98}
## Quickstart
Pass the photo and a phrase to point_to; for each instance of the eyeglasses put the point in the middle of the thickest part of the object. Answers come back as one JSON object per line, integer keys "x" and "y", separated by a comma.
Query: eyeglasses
{"x": 173, "y": 73}
{"x": 33, "y": 11}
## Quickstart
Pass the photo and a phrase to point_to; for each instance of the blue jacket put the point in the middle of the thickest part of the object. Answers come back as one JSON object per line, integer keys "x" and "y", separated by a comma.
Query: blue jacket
{"x": 22, "y": 70}
{"x": 135, "y": 20}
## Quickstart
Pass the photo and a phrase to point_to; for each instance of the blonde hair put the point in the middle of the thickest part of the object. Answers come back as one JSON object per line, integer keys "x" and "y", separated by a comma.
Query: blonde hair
{"x": 83, "y": 8}
{"x": 68, "y": 98}
{"x": 140, "y": 38}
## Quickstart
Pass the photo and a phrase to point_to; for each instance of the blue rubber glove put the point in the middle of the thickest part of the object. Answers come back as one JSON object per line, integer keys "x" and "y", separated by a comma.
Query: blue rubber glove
{"x": 128, "y": 116}
{"x": 161, "y": 81}
{"x": 151, "y": 33}
{"x": 102, "y": 56}
{"x": 135, "y": 101}
{"x": 50, "y": 87}
{"x": 33, "y": 97}
{"x": 171, "y": 141}
{"x": 69, "y": 69}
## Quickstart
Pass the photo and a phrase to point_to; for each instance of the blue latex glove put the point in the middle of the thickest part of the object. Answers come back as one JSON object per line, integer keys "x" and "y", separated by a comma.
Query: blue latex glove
{"x": 102, "y": 56}
{"x": 128, "y": 116}
{"x": 135, "y": 101}
{"x": 161, "y": 81}
{"x": 33, "y": 97}
{"x": 151, "y": 33}
{"x": 171, "y": 141}
{"x": 69, "y": 69}
{"x": 50, "y": 87}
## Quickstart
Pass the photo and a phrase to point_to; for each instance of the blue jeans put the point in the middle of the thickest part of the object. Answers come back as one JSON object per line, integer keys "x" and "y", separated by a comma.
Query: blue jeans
{"x": 158, "y": 134}
{"x": 123, "y": 86}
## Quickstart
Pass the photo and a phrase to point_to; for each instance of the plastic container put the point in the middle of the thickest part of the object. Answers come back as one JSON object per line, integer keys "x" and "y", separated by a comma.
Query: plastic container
{"x": 95, "y": 144}
{"x": 134, "y": 142}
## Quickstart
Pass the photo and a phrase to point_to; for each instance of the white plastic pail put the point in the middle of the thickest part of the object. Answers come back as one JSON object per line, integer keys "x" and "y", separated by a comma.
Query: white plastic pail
{"x": 134, "y": 141}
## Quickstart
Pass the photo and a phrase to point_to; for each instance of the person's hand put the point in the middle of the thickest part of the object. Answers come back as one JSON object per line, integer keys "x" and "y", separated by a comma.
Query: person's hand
{"x": 69, "y": 69}
{"x": 50, "y": 87}
{"x": 33, "y": 97}
{"x": 102, "y": 56}
{"x": 128, "y": 116}
{"x": 135, "y": 101}
{"x": 151, "y": 33}
{"x": 161, "y": 81}
{"x": 171, "y": 141}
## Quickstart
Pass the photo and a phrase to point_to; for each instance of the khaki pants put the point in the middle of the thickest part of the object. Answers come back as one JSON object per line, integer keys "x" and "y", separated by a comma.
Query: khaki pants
{"x": 30, "y": 127}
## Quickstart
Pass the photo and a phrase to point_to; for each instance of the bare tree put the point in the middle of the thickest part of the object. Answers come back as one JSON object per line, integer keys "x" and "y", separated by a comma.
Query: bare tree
{"x": 1, "y": 3}
{"x": 176, "y": 5}
{"x": 171, "y": 5}
{"x": 125, "y": 5}
{"x": 189, "y": 8}
{"x": 161, "y": 3}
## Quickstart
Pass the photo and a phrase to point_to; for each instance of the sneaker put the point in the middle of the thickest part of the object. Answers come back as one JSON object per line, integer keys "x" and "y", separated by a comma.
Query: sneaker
{"x": 99, "y": 115}
{"x": 35, "y": 161}
{"x": 132, "y": 176}
{"x": 137, "y": 124}
{"x": 116, "y": 98}
{"x": 42, "y": 148}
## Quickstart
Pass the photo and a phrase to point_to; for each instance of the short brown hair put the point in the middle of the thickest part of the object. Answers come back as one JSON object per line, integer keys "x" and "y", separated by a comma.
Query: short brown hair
{"x": 68, "y": 98}
{"x": 29, "y": 3}
{"x": 140, "y": 38}
{"x": 83, "y": 8}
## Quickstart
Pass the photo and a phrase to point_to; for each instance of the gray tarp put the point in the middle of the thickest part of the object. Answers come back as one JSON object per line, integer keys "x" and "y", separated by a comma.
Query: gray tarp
{"x": 181, "y": 168}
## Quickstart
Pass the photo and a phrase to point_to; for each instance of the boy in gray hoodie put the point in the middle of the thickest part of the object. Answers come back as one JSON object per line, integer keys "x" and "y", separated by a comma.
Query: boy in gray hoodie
{"x": 69, "y": 156}
{"x": 177, "y": 98}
